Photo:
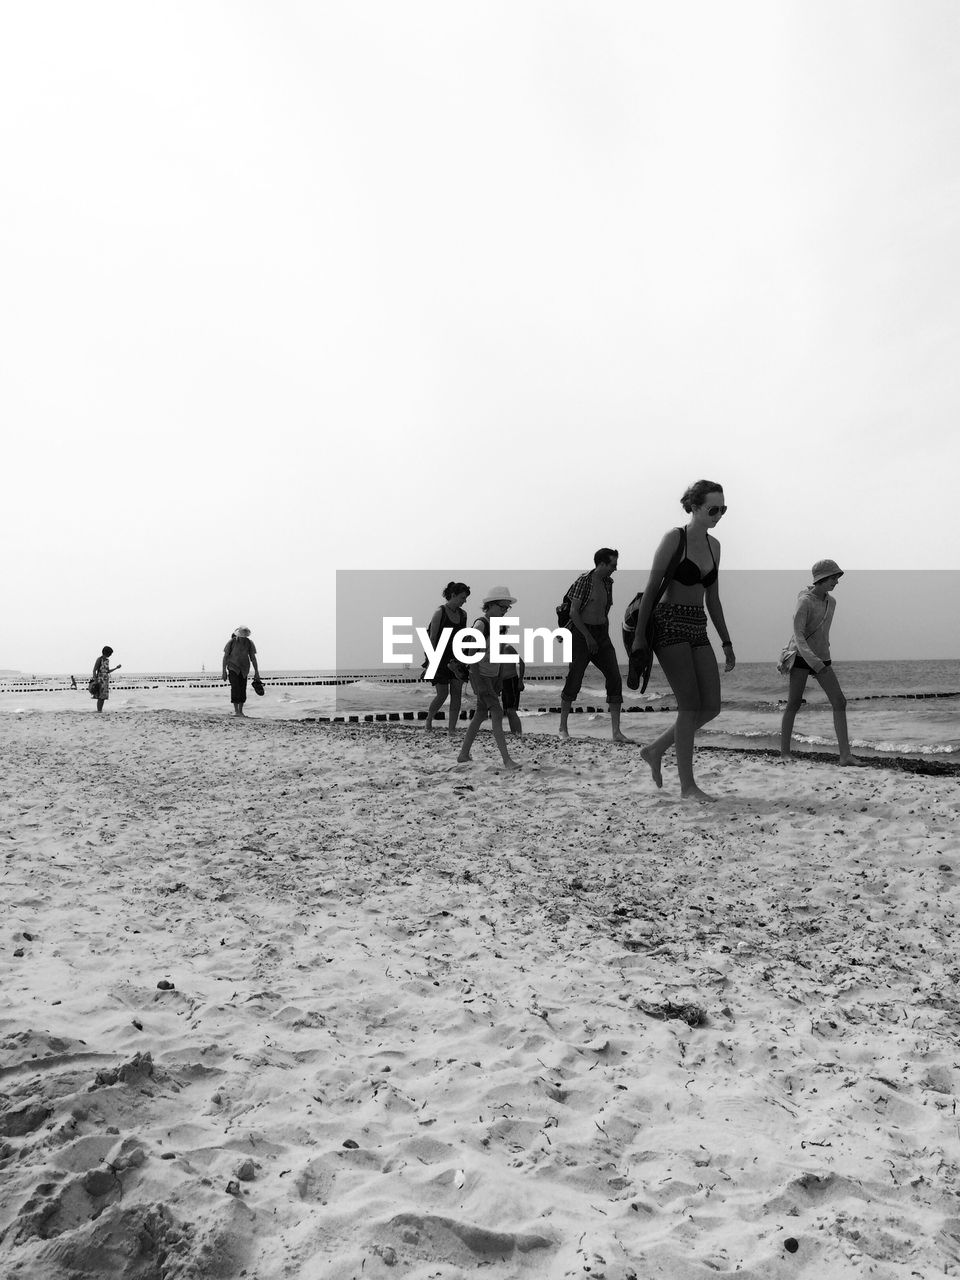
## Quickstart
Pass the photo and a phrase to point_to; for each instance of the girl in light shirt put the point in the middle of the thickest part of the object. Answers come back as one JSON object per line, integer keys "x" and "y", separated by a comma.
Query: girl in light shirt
{"x": 808, "y": 653}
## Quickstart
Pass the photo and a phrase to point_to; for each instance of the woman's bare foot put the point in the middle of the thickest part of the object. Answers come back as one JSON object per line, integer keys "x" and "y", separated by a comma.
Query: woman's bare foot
{"x": 653, "y": 760}
{"x": 851, "y": 760}
{"x": 622, "y": 737}
{"x": 700, "y": 797}
{"x": 464, "y": 759}
{"x": 511, "y": 764}
{"x": 787, "y": 757}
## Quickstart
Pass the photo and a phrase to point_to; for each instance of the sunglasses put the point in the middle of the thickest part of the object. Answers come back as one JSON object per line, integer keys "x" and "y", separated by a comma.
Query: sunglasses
{"x": 716, "y": 511}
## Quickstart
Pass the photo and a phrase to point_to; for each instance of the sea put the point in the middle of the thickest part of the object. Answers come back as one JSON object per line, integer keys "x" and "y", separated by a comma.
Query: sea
{"x": 896, "y": 708}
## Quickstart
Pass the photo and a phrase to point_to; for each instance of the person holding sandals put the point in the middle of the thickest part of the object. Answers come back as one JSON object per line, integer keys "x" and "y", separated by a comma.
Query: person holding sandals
{"x": 681, "y": 591}
{"x": 239, "y": 654}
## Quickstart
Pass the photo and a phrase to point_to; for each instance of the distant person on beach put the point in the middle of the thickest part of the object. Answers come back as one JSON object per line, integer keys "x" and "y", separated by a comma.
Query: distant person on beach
{"x": 100, "y": 680}
{"x": 486, "y": 681}
{"x": 685, "y": 572}
{"x": 239, "y": 653}
{"x": 450, "y": 675}
{"x": 73, "y": 682}
{"x": 808, "y": 652}
{"x": 591, "y": 598}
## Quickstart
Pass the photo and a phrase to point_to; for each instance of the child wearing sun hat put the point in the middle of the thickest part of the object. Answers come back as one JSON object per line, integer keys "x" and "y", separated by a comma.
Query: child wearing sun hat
{"x": 808, "y": 653}
{"x": 486, "y": 678}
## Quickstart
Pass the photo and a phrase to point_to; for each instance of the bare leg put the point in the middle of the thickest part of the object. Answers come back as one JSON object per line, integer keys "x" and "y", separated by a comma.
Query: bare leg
{"x": 831, "y": 687}
{"x": 456, "y": 689}
{"x": 439, "y": 698}
{"x": 798, "y": 682}
{"x": 695, "y": 681}
{"x": 565, "y": 708}
{"x": 653, "y": 759}
{"x": 473, "y": 728}
{"x": 496, "y": 724}
{"x": 516, "y": 727}
{"x": 495, "y": 713}
{"x": 100, "y": 704}
{"x": 615, "y": 724}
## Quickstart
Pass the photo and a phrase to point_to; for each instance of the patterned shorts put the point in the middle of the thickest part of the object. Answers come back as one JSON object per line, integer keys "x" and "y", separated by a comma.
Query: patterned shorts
{"x": 679, "y": 624}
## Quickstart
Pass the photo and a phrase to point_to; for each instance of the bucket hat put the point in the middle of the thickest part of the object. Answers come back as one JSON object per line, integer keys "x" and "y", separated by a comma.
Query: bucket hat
{"x": 826, "y": 569}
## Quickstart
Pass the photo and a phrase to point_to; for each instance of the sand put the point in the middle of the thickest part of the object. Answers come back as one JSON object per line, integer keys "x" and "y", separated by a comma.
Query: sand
{"x": 300, "y": 1000}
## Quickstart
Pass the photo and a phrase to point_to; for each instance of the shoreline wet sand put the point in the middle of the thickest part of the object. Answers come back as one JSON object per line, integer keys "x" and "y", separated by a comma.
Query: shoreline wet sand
{"x": 421, "y": 1018}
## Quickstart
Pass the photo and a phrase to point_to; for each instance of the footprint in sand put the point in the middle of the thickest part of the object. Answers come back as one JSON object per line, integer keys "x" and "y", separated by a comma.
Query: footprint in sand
{"x": 438, "y": 1237}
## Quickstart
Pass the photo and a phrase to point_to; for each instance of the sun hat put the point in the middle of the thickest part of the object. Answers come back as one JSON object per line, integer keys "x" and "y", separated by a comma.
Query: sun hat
{"x": 499, "y": 593}
{"x": 242, "y": 631}
{"x": 826, "y": 569}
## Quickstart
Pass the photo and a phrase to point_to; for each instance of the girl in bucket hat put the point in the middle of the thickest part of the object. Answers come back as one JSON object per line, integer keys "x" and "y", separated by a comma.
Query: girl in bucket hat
{"x": 808, "y": 653}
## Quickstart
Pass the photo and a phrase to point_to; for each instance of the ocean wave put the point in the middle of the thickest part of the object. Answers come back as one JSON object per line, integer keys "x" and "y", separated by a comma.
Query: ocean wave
{"x": 883, "y": 746}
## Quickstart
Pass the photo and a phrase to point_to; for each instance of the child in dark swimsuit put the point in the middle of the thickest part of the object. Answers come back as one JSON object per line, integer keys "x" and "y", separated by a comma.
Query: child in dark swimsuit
{"x": 511, "y": 687}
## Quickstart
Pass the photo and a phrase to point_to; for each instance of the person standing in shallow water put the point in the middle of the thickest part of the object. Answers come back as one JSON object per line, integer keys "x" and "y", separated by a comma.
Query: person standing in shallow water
{"x": 449, "y": 677}
{"x": 239, "y": 653}
{"x": 679, "y": 630}
{"x": 101, "y": 674}
{"x": 810, "y": 644}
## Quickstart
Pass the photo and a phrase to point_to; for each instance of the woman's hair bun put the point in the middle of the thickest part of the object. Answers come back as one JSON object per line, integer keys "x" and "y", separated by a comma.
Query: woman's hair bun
{"x": 695, "y": 495}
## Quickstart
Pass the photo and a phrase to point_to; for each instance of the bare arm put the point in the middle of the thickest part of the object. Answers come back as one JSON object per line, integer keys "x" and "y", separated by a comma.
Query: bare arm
{"x": 715, "y": 610}
{"x": 435, "y": 627}
{"x": 661, "y": 563}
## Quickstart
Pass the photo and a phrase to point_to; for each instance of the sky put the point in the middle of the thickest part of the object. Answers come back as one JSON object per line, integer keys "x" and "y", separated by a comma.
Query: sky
{"x": 292, "y": 289}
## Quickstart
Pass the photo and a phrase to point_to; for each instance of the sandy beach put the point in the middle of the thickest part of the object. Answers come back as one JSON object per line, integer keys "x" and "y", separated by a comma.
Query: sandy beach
{"x": 301, "y": 1000}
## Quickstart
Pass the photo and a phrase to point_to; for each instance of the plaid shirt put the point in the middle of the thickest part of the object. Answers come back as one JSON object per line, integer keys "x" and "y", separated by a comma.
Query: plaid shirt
{"x": 584, "y": 587}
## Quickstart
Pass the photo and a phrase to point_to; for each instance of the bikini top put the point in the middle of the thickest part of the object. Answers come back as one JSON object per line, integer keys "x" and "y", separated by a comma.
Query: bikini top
{"x": 689, "y": 574}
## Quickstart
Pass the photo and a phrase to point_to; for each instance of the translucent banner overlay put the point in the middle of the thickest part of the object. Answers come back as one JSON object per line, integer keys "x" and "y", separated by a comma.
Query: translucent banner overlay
{"x": 881, "y": 614}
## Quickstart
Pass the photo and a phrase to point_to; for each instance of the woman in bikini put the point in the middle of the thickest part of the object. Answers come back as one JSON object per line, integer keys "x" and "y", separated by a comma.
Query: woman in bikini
{"x": 450, "y": 676}
{"x": 679, "y": 630}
